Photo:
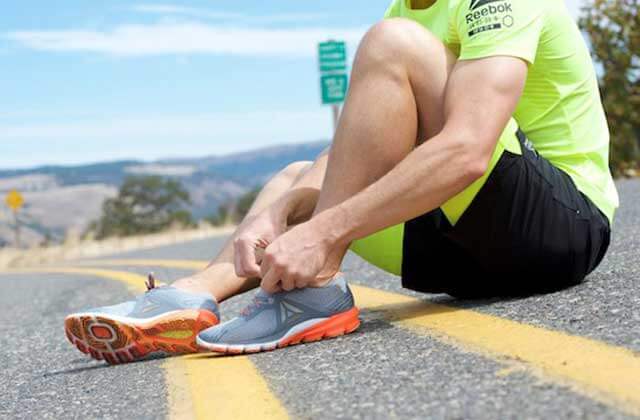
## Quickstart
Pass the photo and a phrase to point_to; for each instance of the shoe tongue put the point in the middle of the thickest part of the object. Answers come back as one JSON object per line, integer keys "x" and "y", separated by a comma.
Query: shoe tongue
{"x": 260, "y": 298}
{"x": 262, "y": 294}
{"x": 155, "y": 295}
{"x": 156, "y": 290}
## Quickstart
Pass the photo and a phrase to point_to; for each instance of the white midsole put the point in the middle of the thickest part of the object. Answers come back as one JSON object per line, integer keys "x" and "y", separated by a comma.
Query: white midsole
{"x": 260, "y": 345}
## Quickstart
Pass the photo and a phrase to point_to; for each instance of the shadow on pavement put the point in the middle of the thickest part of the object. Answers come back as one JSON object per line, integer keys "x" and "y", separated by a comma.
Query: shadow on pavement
{"x": 423, "y": 307}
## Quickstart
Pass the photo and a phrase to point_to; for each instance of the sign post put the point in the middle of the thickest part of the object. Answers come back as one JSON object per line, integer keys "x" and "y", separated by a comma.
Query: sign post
{"x": 15, "y": 201}
{"x": 334, "y": 80}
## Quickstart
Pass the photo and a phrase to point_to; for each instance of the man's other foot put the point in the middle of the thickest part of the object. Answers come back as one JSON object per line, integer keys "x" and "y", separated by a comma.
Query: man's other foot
{"x": 281, "y": 319}
{"x": 162, "y": 321}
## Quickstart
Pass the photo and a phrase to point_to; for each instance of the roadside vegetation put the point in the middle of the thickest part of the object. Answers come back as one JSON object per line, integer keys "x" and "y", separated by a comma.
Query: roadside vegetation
{"x": 151, "y": 204}
{"x": 233, "y": 212}
{"x": 613, "y": 30}
{"x": 144, "y": 204}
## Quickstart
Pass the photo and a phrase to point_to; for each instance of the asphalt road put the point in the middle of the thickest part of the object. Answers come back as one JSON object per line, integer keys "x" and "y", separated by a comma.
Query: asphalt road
{"x": 382, "y": 371}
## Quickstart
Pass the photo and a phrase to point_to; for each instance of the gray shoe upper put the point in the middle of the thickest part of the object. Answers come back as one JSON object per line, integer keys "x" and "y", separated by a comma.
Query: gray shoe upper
{"x": 158, "y": 301}
{"x": 270, "y": 316}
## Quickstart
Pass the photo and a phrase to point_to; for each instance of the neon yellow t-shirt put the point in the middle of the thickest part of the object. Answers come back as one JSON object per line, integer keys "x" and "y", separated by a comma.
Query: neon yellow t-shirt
{"x": 560, "y": 110}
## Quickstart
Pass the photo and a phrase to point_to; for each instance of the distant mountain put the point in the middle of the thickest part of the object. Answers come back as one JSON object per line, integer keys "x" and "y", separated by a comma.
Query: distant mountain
{"x": 66, "y": 198}
{"x": 254, "y": 167}
{"x": 107, "y": 173}
{"x": 246, "y": 167}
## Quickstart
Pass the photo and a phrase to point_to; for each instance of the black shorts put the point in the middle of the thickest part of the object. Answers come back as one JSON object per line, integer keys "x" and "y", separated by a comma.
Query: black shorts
{"x": 528, "y": 230}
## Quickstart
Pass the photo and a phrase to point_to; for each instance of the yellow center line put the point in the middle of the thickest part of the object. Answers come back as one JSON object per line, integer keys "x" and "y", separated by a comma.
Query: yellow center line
{"x": 608, "y": 373}
{"x": 179, "y": 264}
{"x": 199, "y": 386}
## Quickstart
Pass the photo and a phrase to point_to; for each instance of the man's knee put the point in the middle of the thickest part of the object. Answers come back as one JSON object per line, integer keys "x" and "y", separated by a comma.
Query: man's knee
{"x": 295, "y": 170}
{"x": 395, "y": 42}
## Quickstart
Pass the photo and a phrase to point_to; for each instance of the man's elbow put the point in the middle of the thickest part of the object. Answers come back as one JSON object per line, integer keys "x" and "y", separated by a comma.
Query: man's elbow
{"x": 475, "y": 159}
{"x": 478, "y": 166}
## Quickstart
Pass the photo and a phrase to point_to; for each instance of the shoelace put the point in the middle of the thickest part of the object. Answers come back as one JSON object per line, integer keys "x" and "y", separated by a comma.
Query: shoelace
{"x": 259, "y": 248}
{"x": 150, "y": 282}
{"x": 257, "y": 302}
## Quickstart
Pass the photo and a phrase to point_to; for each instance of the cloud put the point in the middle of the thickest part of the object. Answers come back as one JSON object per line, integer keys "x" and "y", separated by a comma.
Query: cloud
{"x": 194, "y": 12}
{"x": 168, "y": 9}
{"x": 186, "y": 38}
{"x": 148, "y": 137}
{"x": 223, "y": 132}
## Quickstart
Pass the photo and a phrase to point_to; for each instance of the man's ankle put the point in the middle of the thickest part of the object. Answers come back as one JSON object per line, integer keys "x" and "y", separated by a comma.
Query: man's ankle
{"x": 323, "y": 281}
{"x": 193, "y": 284}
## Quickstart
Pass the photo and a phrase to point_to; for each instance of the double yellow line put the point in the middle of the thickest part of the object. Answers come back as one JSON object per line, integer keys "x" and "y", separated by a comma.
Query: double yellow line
{"x": 220, "y": 386}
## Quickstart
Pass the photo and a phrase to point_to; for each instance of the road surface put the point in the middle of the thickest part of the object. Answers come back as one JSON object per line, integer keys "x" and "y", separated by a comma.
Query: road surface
{"x": 571, "y": 354}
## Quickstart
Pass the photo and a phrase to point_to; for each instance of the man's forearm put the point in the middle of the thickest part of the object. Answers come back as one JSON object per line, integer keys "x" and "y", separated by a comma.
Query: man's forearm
{"x": 423, "y": 181}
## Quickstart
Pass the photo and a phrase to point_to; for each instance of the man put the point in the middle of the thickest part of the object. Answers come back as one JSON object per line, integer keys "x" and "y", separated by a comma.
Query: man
{"x": 471, "y": 158}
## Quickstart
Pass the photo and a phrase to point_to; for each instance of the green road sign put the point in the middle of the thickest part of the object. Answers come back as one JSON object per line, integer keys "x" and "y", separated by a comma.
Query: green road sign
{"x": 332, "y": 57}
{"x": 334, "y": 88}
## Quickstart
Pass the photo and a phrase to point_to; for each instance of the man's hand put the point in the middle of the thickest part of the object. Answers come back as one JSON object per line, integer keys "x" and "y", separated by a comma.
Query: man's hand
{"x": 296, "y": 258}
{"x": 254, "y": 236}
{"x": 258, "y": 231}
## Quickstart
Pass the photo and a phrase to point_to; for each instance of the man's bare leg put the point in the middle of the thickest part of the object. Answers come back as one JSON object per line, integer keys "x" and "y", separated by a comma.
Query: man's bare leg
{"x": 219, "y": 278}
{"x": 395, "y": 101}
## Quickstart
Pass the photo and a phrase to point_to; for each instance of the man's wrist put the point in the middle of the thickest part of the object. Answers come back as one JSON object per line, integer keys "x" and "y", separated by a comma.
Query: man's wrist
{"x": 334, "y": 225}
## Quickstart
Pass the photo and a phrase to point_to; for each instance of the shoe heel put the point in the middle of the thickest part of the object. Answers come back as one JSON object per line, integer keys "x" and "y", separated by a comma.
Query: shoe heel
{"x": 340, "y": 324}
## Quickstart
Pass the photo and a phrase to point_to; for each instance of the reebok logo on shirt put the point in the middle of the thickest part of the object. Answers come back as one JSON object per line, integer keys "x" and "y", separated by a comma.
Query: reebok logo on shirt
{"x": 488, "y": 11}
{"x": 484, "y": 16}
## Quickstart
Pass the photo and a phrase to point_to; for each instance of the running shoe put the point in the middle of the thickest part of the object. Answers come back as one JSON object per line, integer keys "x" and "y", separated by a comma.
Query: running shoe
{"x": 277, "y": 320}
{"x": 163, "y": 321}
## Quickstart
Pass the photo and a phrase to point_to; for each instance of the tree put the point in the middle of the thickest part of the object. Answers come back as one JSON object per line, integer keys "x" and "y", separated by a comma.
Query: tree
{"x": 234, "y": 211}
{"x": 145, "y": 204}
{"x": 222, "y": 217}
{"x": 613, "y": 27}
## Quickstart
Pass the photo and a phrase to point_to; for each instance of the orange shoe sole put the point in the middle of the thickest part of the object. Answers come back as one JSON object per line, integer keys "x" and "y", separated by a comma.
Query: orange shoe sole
{"x": 120, "y": 340}
{"x": 335, "y": 326}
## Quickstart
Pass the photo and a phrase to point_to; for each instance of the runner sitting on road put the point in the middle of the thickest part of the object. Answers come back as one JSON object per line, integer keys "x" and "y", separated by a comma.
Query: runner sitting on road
{"x": 471, "y": 158}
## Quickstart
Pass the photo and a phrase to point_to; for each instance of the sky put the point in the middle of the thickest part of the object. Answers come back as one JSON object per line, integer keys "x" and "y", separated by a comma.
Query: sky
{"x": 88, "y": 81}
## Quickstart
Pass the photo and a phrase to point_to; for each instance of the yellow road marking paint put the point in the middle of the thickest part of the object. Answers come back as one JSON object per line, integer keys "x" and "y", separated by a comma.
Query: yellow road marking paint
{"x": 180, "y": 396}
{"x": 608, "y": 373}
{"x": 230, "y": 387}
{"x": 134, "y": 282}
{"x": 184, "y": 264}
{"x": 199, "y": 386}
{"x": 510, "y": 370}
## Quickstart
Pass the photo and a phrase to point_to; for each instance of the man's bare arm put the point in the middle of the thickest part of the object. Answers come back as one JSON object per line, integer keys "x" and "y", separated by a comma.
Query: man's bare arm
{"x": 481, "y": 96}
{"x": 294, "y": 207}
